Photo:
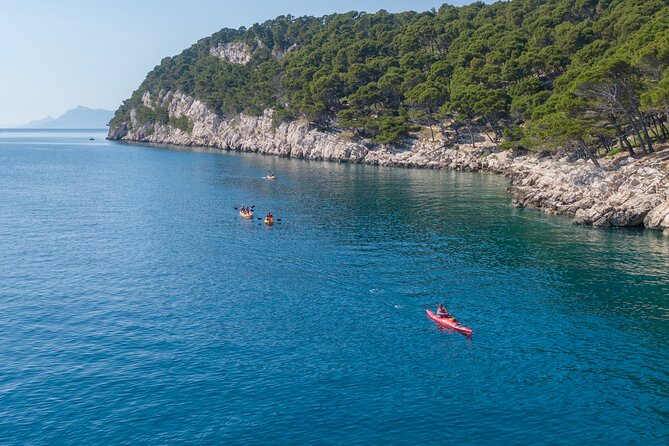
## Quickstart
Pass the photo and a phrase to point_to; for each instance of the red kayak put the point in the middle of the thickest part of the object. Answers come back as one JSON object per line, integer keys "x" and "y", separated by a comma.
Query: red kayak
{"x": 448, "y": 323}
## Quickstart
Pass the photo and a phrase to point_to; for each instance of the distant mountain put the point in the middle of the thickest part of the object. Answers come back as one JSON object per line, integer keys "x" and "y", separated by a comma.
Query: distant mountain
{"x": 78, "y": 118}
{"x": 38, "y": 123}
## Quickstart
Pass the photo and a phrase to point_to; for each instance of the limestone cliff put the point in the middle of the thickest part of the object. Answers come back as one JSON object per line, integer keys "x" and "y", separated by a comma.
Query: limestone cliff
{"x": 625, "y": 192}
{"x": 234, "y": 52}
{"x": 240, "y": 53}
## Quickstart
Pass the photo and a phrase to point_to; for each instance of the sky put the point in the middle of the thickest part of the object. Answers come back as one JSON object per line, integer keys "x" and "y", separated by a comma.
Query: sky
{"x": 57, "y": 55}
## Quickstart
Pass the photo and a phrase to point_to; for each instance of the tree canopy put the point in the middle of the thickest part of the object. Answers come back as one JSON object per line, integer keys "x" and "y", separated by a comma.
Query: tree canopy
{"x": 532, "y": 69}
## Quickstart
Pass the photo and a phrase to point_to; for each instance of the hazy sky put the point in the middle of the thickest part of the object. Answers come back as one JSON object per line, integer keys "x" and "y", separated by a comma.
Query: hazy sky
{"x": 59, "y": 54}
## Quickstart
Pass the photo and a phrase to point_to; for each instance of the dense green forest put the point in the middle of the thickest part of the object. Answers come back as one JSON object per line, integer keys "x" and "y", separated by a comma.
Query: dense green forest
{"x": 590, "y": 75}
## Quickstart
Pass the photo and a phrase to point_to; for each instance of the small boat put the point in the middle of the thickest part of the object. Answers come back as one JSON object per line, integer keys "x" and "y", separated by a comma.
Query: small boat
{"x": 271, "y": 177}
{"x": 246, "y": 214}
{"x": 448, "y": 323}
{"x": 269, "y": 221}
{"x": 91, "y": 139}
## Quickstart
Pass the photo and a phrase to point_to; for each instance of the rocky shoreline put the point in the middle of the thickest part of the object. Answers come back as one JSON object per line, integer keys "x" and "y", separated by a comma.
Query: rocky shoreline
{"x": 626, "y": 192}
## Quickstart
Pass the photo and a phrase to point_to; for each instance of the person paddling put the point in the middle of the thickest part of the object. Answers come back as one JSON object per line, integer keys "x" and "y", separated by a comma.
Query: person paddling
{"x": 443, "y": 312}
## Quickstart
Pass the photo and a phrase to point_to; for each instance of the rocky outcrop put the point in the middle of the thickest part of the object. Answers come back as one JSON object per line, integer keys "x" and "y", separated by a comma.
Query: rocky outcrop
{"x": 234, "y": 52}
{"x": 241, "y": 53}
{"x": 658, "y": 217}
{"x": 625, "y": 192}
{"x": 617, "y": 195}
{"x": 278, "y": 53}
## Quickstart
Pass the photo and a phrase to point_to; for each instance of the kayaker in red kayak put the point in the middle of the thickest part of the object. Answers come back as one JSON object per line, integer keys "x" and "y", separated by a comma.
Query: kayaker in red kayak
{"x": 446, "y": 320}
{"x": 443, "y": 312}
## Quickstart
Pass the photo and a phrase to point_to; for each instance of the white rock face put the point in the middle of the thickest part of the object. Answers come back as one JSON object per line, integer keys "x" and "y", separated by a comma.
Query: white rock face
{"x": 233, "y": 52}
{"x": 625, "y": 193}
{"x": 280, "y": 54}
{"x": 621, "y": 195}
{"x": 658, "y": 218}
{"x": 146, "y": 99}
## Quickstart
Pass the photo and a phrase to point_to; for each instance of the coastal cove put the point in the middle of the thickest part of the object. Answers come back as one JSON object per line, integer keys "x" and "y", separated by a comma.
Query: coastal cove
{"x": 569, "y": 99}
{"x": 335, "y": 223}
{"x": 138, "y": 307}
{"x": 626, "y": 192}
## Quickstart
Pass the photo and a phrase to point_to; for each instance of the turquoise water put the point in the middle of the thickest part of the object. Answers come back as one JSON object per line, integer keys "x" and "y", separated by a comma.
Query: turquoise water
{"x": 136, "y": 307}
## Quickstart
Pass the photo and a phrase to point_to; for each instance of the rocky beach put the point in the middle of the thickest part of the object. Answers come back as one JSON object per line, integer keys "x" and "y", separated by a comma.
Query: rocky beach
{"x": 625, "y": 192}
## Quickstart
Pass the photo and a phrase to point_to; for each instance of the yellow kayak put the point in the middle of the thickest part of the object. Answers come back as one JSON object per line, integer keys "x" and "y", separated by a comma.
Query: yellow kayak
{"x": 246, "y": 214}
{"x": 269, "y": 221}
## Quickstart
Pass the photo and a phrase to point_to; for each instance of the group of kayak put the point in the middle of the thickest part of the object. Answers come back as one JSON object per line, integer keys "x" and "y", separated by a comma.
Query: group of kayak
{"x": 446, "y": 319}
{"x": 247, "y": 212}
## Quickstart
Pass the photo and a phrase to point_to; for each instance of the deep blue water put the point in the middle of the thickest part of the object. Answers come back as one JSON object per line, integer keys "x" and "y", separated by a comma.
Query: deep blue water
{"x": 136, "y": 307}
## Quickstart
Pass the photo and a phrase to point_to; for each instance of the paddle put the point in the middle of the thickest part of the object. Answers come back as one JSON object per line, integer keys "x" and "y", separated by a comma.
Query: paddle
{"x": 275, "y": 219}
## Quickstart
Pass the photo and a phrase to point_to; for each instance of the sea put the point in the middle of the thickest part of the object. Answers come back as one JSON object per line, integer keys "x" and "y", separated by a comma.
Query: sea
{"x": 137, "y": 307}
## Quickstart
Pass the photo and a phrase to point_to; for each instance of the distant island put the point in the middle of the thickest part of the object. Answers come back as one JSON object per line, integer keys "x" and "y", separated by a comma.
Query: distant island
{"x": 568, "y": 98}
{"x": 77, "y": 118}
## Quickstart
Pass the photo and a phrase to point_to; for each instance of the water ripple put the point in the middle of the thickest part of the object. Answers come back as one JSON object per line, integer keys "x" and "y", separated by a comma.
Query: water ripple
{"x": 137, "y": 308}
